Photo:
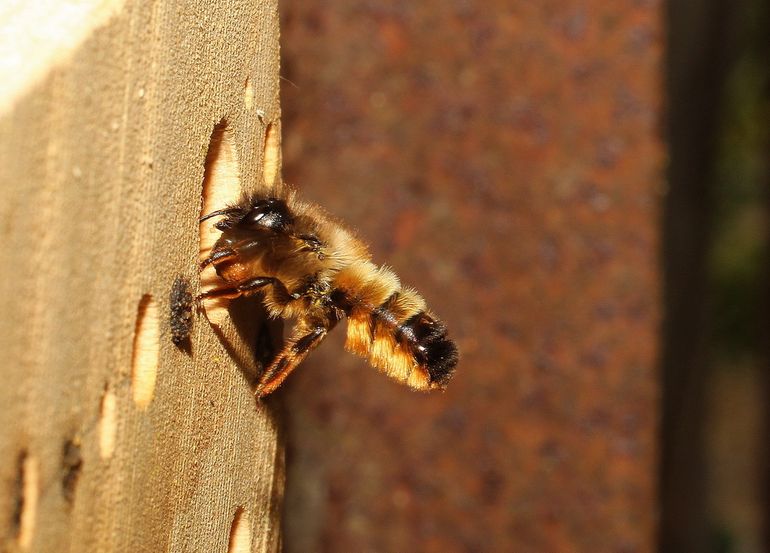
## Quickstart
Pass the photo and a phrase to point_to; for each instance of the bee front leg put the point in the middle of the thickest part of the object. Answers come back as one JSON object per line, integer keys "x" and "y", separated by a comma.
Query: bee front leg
{"x": 305, "y": 337}
{"x": 244, "y": 288}
{"x": 227, "y": 254}
{"x": 218, "y": 257}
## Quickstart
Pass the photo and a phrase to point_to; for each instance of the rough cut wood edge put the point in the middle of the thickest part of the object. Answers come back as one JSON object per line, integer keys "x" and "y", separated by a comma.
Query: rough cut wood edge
{"x": 101, "y": 176}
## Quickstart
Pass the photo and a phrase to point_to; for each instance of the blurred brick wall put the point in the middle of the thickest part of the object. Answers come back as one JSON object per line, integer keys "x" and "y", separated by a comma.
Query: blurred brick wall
{"x": 504, "y": 157}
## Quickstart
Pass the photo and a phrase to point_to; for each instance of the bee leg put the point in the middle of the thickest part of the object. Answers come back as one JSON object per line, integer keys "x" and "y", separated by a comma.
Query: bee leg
{"x": 218, "y": 257}
{"x": 244, "y": 288}
{"x": 312, "y": 244}
{"x": 304, "y": 338}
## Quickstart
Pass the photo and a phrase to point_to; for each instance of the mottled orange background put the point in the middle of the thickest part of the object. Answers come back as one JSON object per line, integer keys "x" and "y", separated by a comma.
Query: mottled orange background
{"x": 504, "y": 158}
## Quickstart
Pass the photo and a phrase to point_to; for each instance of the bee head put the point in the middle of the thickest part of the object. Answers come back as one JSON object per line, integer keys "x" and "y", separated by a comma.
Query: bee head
{"x": 271, "y": 213}
{"x": 264, "y": 214}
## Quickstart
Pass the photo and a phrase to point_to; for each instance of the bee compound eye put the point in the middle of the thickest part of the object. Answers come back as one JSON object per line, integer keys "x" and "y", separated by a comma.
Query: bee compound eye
{"x": 270, "y": 214}
{"x": 255, "y": 216}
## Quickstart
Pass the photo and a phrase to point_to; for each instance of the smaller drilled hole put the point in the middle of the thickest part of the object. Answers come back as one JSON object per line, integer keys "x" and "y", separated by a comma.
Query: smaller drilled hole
{"x": 71, "y": 463}
{"x": 271, "y": 162}
{"x": 25, "y": 509}
{"x": 18, "y": 494}
{"x": 240, "y": 533}
{"x": 248, "y": 94}
{"x": 108, "y": 424}
{"x": 144, "y": 364}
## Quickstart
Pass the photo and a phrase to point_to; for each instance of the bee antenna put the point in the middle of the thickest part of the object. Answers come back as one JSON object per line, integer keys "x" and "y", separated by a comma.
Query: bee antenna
{"x": 225, "y": 211}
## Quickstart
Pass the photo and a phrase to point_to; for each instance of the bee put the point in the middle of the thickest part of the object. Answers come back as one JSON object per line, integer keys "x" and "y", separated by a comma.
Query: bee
{"x": 309, "y": 267}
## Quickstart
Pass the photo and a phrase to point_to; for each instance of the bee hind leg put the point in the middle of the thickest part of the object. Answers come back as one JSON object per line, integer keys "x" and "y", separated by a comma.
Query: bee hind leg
{"x": 305, "y": 337}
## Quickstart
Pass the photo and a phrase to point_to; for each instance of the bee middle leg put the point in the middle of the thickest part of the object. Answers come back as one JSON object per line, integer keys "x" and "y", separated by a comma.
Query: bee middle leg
{"x": 305, "y": 337}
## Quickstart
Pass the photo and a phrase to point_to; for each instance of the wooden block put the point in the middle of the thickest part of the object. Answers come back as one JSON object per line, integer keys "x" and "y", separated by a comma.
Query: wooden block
{"x": 112, "y": 117}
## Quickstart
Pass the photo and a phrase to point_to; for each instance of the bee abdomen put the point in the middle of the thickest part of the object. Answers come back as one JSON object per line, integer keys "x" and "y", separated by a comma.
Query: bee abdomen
{"x": 397, "y": 333}
{"x": 426, "y": 337}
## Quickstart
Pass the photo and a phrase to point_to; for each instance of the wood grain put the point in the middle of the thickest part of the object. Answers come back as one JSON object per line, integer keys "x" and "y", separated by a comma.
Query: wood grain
{"x": 111, "y": 437}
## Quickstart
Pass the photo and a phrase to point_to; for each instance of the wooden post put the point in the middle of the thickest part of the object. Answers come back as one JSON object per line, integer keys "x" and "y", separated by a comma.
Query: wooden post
{"x": 115, "y": 119}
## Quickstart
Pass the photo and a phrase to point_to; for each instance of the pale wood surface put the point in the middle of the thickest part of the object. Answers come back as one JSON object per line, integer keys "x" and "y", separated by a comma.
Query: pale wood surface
{"x": 102, "y": 159}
